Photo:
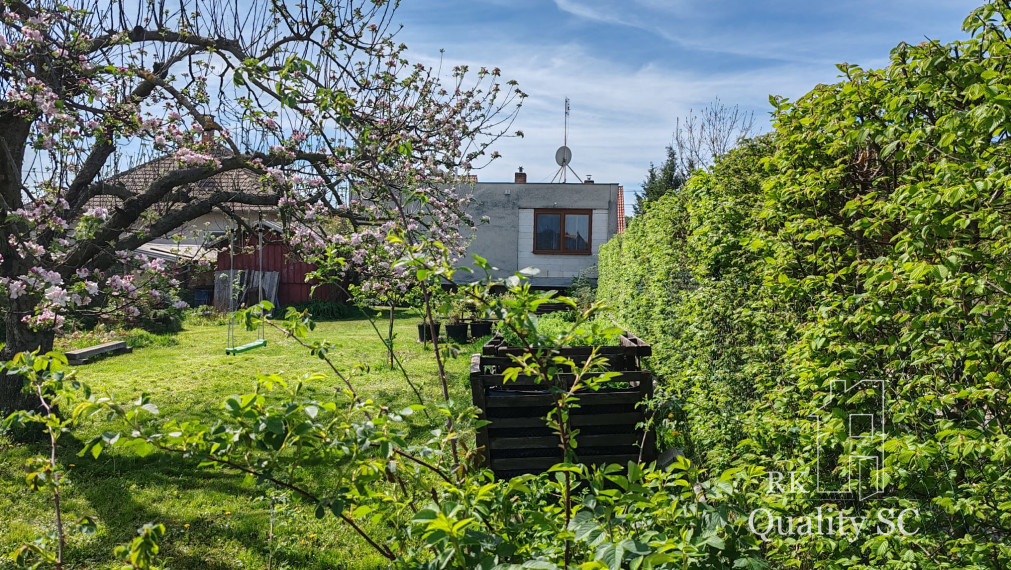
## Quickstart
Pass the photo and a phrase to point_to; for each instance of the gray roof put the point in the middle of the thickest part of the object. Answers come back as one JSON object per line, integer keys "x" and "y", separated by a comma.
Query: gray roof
{"x": 139, "y": 178}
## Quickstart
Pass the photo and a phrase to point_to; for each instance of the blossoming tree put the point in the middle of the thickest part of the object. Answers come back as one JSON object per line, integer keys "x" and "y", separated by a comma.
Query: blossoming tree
{"x": 346, "y": 135}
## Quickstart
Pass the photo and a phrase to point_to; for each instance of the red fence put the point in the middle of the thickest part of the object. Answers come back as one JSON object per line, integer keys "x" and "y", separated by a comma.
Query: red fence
{"x": 292, "y": 287}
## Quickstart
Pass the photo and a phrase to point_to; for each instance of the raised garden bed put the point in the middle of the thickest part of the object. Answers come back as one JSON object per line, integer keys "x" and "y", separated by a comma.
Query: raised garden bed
{"x": 609, "y": 420}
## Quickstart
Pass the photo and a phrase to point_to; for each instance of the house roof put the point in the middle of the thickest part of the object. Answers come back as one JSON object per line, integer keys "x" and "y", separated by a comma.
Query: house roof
{"x": 265, "y": 225}
{"x": 175, "y": 253}
{"x": 138, "y": 178}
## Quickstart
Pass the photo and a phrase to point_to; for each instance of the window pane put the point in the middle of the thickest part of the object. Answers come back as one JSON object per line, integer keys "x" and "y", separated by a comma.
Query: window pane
{"x": 549, "y": 232}
{"x": 577, "y": 232}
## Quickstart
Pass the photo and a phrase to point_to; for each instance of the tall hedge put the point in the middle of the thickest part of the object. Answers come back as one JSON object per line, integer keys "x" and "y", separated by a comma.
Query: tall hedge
{"x": 864, "y": 266}
{"x": 684, "y": 277}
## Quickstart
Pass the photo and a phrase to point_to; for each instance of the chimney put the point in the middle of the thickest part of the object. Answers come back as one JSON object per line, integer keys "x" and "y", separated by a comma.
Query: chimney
{"x": 520, "y": 177}
{"x": 589, "y": 179}
{"x": 209, "y": 127}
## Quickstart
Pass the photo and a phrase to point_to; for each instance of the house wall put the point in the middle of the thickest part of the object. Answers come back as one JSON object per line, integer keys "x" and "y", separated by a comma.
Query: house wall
{"x": 560, "y": 265}
{"x": 506, "y": 241}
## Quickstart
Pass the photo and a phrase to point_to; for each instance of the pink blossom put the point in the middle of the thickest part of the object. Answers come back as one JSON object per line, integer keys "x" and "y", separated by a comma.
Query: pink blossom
{"x": 97, "y": 212}
{"x": 17, "y": 288}
{"x": 51, "y": 277}
{"x": 156, "y": 265}
{"x": 32, "y": 34}
{"x": 57, "y": 296}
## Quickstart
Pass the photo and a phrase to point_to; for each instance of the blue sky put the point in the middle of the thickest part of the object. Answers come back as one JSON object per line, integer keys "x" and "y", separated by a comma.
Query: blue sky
{"x": 630, "y": 67}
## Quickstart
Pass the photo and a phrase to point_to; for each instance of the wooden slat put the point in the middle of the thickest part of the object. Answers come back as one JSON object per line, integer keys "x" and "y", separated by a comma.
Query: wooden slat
{"x": 97, "y": 349}
{"x": 507, "y": 400}
{"x": 551, "y": 441}
{"x": 546, "y": 441}
{"x": 82, "y": 356}
{"x": 477, "y": 394}
{"x": 526, "y": 463}
{"x": 620, "y": 418}
{"x": 542, "y": 463}
{"x": 523, "y": 380}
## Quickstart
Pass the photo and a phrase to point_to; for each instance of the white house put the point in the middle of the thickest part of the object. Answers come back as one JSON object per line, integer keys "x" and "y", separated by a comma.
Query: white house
{"x": 557, "y": 228}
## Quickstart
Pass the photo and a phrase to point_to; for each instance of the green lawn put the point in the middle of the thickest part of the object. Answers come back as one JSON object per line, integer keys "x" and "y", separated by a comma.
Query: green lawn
{"x": 211, "y": 517}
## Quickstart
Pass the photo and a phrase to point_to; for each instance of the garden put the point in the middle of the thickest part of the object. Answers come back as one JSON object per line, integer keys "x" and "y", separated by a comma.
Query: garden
{"x": 797, "y": 357}
{"x": 210, "y": 519}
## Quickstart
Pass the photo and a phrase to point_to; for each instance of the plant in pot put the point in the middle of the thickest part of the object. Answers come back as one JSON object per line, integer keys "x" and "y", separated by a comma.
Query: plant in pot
{"x": 479, "y": 325}
{"x": 426, "y": 329}
{"x": 456, "y": 328}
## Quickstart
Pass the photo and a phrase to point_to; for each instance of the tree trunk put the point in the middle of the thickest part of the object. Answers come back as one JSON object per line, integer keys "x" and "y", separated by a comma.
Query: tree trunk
{"x": 20, "y": 338}
{"x": 14, "y": 129}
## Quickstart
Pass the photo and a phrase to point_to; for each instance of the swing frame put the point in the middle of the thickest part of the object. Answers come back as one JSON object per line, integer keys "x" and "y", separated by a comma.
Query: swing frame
{"x": 261, "y": 340}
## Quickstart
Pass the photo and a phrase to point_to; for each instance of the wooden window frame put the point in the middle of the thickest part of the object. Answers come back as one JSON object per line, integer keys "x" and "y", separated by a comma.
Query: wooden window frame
{"x": 563, "y": 212}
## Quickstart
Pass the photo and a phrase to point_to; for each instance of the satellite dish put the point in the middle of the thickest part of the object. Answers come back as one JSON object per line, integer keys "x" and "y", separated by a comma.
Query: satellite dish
{"x": 563, "y": 156}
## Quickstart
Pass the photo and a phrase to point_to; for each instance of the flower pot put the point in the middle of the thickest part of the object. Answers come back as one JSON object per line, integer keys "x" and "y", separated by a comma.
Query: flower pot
{"x": 479, "y": 329}
{"x": 425, "y": 332}
{"x": 457, "y": 332}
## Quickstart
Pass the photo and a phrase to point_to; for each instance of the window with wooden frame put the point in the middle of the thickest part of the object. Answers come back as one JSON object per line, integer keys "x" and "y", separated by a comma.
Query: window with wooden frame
{"x": 562, "y": 231}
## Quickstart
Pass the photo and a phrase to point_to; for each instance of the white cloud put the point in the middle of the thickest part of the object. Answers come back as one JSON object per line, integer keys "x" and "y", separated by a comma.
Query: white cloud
{"x": 628, "y": 87}
{"x": 622, "y": 117}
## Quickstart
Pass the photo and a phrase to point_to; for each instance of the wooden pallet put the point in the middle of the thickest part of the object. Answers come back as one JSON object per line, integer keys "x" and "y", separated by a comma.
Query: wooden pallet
{"x": 610, "y": 421}
{"x": 82, "y": 355}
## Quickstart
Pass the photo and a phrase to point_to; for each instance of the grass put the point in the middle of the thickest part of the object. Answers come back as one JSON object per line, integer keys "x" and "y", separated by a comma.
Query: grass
{"x": 213, "y": 518}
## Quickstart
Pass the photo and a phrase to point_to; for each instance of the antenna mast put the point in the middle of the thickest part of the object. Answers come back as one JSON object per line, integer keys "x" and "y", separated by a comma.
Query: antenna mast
{"x": 563, "y": 156}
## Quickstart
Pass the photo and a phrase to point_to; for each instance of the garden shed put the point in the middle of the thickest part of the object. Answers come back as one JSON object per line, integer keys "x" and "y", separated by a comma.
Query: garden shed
{"x": 284, "y": 274}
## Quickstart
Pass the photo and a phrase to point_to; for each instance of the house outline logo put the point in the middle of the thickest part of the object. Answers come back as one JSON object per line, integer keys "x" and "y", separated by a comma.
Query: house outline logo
{"x": 857, "y": 466}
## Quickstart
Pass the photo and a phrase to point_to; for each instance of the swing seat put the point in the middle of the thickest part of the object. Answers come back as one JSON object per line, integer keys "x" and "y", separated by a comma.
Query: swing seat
{"x": 246, "y": 347}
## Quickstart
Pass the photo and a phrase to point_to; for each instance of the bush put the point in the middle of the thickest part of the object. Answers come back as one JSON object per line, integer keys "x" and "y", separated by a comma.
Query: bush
{"x": 583, "y": 290}
{"x": 205, "y": 315}
{"x": 598, "y": 332}
{"x": 135, "y": 338}
{"x": 140, "y": 338}
{"x": 324, "y": 310}
{"x": 161, "y": 321}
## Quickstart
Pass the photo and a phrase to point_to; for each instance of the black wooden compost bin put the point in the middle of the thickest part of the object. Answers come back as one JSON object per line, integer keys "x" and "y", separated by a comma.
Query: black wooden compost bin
{"x": 609, "y": 420}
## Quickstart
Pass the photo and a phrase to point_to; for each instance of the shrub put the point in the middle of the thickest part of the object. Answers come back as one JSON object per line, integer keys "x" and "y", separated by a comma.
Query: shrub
{"x": 583, "y": 290}
{"x": 325, "y": 310}
{"x": 598, "y": 332}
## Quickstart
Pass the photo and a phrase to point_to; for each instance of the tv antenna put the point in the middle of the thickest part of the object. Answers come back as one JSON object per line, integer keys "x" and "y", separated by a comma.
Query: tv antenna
{"x": 563, "y": 156}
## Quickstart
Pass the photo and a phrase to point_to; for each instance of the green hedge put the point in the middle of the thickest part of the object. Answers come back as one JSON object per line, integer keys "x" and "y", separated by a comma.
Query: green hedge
{"x": 683, "y": 278}
{"x": 861, "y": 266}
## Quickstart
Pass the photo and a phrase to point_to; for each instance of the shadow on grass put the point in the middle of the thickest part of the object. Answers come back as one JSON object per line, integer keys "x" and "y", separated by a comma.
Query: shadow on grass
{"x": 194, "y": 503}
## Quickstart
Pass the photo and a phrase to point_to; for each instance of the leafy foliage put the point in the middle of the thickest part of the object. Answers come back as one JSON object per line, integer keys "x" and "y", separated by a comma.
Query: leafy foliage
{"x": 869, "y": 259}
{"x": 564, "y": 327}
{"x": 681, "y": 277}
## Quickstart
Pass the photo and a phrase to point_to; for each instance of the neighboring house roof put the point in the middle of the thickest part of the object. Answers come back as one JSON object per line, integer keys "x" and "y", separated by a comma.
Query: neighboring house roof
{"x": 175, "y": 253}
{"x": 267, "y": 225}
{"x": 140, "y": 177}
